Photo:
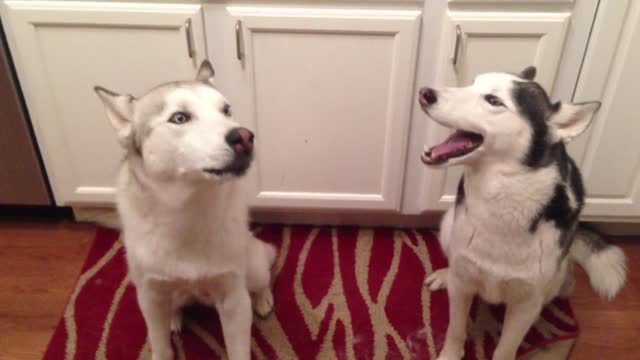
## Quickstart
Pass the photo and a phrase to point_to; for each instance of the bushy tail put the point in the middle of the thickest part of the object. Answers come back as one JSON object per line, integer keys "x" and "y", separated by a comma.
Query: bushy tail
{"x": 605, "y": 263}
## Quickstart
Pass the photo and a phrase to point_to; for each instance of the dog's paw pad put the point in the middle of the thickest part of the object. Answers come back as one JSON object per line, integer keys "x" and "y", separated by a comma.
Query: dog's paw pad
{"x": 176, "y": 322}
{"x": 437, "y": 280}
{"x": 263, "y": 303}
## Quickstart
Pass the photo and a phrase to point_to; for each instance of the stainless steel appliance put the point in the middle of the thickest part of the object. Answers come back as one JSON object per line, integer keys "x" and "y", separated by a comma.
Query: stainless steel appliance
{"x": 22, "y": 176}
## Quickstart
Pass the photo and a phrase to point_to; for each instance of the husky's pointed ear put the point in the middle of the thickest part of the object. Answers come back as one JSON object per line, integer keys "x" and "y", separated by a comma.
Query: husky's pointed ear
{"x": 206, "y": 72}
{"x": 119, "y": 110}
{"x": 529, "y": 73}
{"x": 572, "y": 119}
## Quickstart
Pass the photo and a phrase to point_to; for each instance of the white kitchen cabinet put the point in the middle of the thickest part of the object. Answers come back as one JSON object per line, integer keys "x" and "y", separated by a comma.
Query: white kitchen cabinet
{"x": 609, "y": 153}
{"x": 62, "y": 49}
{"x": 328, "y": 92}
{"x": 491, "y": 41}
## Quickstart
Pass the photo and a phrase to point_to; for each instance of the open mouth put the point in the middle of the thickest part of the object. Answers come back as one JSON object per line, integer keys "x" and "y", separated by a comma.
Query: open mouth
{"x": 218, "y": 172}
{"x": 237, "y": 167}
{"x": 457, "y": 145}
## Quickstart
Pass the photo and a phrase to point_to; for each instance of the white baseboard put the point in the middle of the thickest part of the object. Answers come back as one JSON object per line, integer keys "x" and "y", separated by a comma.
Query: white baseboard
{"x": 107, "y": 216}
{"x": 360, "y": 218}
{"x": 103, "y": 216}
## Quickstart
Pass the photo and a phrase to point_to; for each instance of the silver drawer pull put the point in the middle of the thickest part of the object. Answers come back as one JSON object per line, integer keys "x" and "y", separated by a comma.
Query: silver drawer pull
{"x": 239, "y": 45}
{"x": 454, "y": 60}
{"x": 187, "y": 27}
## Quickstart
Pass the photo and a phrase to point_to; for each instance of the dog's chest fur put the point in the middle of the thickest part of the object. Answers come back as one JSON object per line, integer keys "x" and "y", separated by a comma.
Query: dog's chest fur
{"x": 505, "y": 200}
{"x": 492, "y": 244}
{"x": 183, "y": 237}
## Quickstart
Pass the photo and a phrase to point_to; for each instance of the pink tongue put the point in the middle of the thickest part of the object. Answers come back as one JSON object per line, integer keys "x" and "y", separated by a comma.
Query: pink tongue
{"x": 456, "y": 141}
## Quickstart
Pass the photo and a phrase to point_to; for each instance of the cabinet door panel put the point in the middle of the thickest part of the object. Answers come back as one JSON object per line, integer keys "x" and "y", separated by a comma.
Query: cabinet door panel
{"x": 329, "y": 94}
{"x": 63, "y": 49}
{"x": 610, "y": 152}
{"x": 491, "y": 42}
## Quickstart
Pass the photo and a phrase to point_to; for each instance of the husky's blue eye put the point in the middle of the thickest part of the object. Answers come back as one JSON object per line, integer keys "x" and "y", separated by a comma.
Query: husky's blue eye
{"x": 493, "y": 100}
{"x": 179, "y": 118}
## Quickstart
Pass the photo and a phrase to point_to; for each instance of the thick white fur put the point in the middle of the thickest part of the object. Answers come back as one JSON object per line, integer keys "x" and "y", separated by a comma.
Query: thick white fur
{"x": 492, "y": 253}
{"x": 185, "y": 231}
{"x": 487, "y": 240}
{"x": 607, "y": 269}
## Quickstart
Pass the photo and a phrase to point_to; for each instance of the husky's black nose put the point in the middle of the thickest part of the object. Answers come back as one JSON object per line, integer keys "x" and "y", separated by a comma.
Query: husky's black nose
{"x": 428, "y": 96}
{"x": 241, "y": 140}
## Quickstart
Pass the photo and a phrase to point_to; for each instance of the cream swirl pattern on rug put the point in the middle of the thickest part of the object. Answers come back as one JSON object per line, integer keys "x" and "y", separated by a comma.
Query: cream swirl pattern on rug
{"x": 340, "y": 293}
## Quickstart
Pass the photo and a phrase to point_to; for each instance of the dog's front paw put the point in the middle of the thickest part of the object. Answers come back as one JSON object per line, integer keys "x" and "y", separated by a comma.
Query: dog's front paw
{"x": 176, "y": 322}
{"x": 437, "y": 280}
{"x": 162, "y": 355}
{"x": 451, "y": 355}
{"x": 263, "y": 303}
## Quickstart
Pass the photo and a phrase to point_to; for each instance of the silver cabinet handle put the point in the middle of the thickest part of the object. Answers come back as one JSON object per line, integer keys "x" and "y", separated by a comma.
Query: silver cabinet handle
{"x": 239, "y": 45}
{"x": 454, "y": 60}
{"x": 187, "y": 27}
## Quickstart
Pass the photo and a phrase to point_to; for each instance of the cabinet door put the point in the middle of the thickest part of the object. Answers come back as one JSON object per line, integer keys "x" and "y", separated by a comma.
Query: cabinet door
{"x": 487, "y": 42}
{"x": 62, "y": 49}
{"x": 328, "y": 93}
{"x": 609, "y": 153}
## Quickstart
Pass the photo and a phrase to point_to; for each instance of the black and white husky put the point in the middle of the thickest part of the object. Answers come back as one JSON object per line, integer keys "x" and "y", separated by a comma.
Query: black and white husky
{"x": 181, "y": 202}
{"x": 513, "y": 233}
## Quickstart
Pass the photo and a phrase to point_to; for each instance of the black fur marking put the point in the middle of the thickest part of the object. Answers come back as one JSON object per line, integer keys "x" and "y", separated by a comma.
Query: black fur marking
{"x": 592, "y": 238}
{"x": 528, "y": 73}
{"x": 575, "y": 183}
{"x": 558, "y": 154}
{"x": 565, "y": 241}
{"x": 533, "y": 103}
{"x": 460, "y": 194}
{"x": 558, "y": 210}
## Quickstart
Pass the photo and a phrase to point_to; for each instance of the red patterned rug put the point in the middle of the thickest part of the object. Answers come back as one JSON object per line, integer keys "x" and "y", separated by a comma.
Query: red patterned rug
{"x": 340, "y": 293}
